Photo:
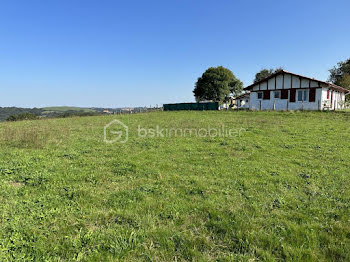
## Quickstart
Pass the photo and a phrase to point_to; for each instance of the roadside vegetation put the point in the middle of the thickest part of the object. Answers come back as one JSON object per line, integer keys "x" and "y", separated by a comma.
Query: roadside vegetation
{"x": 279, "y": 191}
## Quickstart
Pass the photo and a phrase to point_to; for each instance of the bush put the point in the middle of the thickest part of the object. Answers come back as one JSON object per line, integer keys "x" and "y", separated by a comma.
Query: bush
{"x": 24, "y": 116}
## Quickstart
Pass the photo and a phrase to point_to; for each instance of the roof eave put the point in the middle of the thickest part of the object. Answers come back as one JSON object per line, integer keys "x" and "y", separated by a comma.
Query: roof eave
{"x": 345, "y": 90}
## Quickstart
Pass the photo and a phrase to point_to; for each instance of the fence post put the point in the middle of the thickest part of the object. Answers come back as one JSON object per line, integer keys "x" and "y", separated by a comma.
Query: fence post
{"x": 260, "y": 105}
{"x": 274, "y": 105}
{"x": 319, "y": 105}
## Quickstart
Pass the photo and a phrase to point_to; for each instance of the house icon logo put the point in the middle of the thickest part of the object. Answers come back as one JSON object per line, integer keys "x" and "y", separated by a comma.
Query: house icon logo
{"x": 116, "y": 131}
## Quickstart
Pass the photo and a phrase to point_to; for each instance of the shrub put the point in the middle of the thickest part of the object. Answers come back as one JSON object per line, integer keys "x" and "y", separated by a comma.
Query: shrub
{"x": 23, "y": 116}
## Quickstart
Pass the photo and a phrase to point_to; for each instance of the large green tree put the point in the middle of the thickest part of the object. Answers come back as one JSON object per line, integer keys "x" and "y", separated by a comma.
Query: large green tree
{"x": 264, "y": 73}
{"x": 340, "y": 75}
{"x": 216, "y": 84}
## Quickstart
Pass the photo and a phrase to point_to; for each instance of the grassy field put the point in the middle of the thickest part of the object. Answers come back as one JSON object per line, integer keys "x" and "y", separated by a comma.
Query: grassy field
{"x": 280, "y": 191}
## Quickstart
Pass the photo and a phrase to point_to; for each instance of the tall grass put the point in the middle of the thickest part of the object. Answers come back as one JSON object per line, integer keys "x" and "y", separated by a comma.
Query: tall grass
{"x": 31, "y": 134}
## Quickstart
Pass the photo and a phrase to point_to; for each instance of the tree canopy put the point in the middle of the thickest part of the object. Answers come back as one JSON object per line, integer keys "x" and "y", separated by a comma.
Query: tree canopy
{"x": 264, "y": 73}
{"x": 345, "y": 82}
{"x": 216, "y": 84}
{"x": 340, "y": 74}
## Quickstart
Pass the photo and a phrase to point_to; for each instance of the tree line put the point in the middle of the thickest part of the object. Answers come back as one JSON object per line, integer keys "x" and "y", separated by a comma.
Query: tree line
{"x": 219, "y": 83}
{"x": 12, "y": 114}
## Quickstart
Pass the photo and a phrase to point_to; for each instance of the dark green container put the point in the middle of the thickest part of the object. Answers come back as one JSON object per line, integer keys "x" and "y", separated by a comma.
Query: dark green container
{"x": 191, "y": 106}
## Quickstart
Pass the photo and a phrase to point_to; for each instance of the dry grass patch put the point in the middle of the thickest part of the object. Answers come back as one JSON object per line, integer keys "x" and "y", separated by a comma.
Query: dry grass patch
{"x": 16, "y": 184}
{"x": 31, "y": 134}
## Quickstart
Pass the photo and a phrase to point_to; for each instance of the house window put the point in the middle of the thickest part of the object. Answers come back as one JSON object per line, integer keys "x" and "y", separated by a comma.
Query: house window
{"x": 303, "y": 95}
{"x": 260, "y": 95}
{"x": 277, "y": 94}
{"x": 300, "y": 95}
{"x": 306, "y": 95}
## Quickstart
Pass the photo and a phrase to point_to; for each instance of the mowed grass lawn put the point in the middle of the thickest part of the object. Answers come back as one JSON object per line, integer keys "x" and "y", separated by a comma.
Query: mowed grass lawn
{"x": 278, "y": 192}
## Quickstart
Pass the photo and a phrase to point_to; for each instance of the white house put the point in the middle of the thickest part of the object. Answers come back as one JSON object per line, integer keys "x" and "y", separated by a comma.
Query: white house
{"x": 242, "y": 101}
{"x": 288, "y": 91}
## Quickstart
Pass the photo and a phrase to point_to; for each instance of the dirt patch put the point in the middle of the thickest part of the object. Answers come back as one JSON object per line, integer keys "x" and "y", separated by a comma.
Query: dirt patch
{"x": 16, "y": 184}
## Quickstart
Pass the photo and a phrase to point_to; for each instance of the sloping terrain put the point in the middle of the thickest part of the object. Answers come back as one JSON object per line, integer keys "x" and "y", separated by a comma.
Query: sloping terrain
{"x": 277, "y": 188}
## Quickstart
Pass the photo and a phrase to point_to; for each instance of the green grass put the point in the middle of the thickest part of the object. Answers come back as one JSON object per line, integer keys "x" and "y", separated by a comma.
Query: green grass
{"x": 279, "y": 192}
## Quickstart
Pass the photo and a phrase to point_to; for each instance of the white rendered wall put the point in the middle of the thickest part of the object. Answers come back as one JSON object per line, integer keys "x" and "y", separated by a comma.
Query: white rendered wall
{"x": 283, "y": 104}
{"x": 244, "y": 104}
{"x": 288, "y": 81}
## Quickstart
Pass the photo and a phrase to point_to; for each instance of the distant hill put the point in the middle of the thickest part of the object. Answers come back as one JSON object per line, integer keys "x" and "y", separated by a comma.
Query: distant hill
{"x": 60, "y": 111}
{"x": 64, "y": 111}
{"x": 68, "y": 108}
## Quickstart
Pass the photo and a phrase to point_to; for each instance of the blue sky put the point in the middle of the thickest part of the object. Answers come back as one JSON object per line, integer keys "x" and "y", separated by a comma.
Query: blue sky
{"x": 141, "y": 53}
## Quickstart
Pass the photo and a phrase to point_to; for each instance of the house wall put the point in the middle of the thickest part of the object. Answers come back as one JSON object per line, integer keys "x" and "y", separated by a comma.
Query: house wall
{"x": 339, "y": 98}
{"x": 243, "y": 104}
{"x": 287, "y": 81}
{"x": 332, "y": 104}
{"x": 284, "y": 104}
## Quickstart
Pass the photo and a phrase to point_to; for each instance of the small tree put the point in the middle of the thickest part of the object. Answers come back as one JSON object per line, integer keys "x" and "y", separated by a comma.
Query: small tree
{"x": 216, "y": 84}
{"x": 340, "y": 75}
{"x": 23, "y": 116}
{"x": 264, "y": 73}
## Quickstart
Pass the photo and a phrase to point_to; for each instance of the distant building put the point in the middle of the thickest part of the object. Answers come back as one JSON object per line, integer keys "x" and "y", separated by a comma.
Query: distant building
{"x": 242, "y": 101}
{"x": 127, "y": 110}
{"x": 288, "y": 91}
{"x": 228, "y": 103}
